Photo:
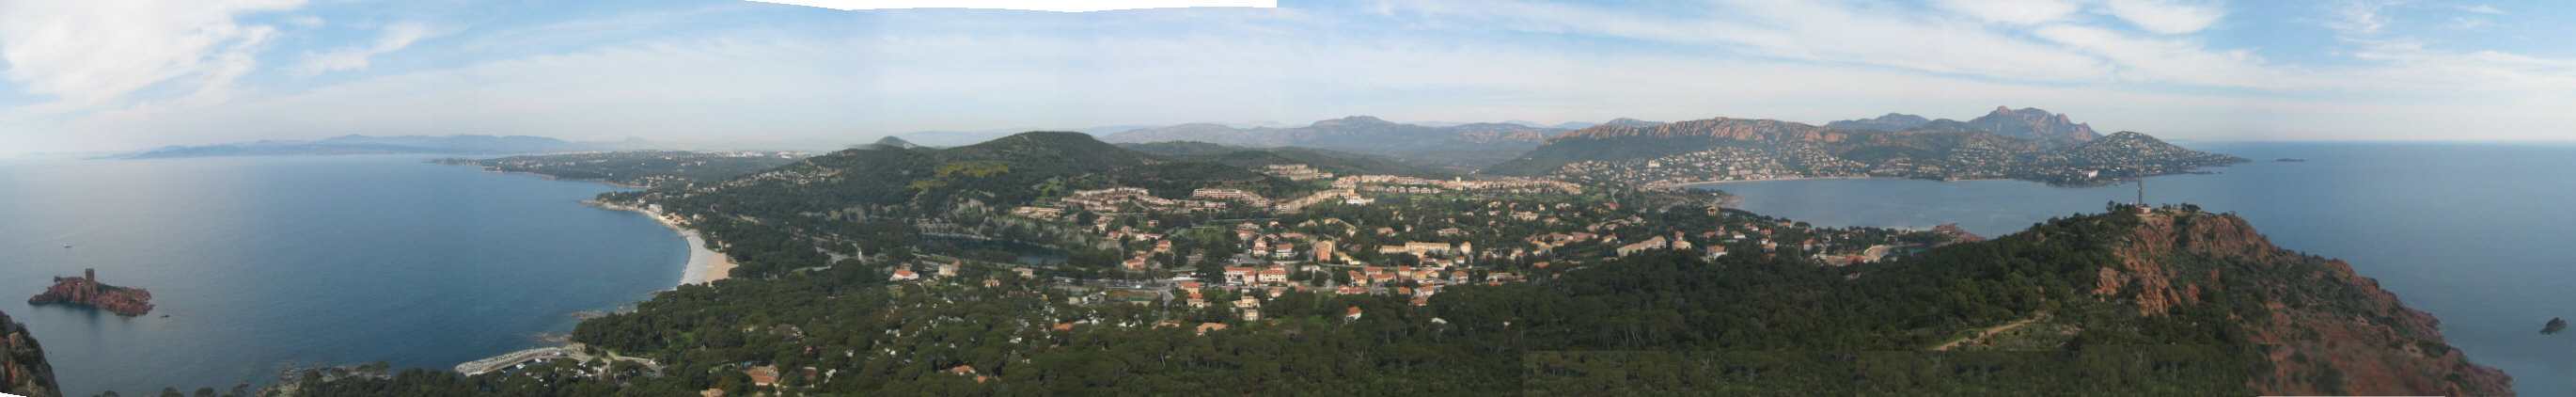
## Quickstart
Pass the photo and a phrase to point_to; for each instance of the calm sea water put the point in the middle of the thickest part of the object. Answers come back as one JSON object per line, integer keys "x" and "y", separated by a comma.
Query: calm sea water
{"x": 261, "y": 262}
{"x": 2481, "y": 235}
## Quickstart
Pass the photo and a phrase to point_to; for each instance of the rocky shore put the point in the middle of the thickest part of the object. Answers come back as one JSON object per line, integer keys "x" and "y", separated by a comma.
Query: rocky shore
{"x": 23, "y": 370}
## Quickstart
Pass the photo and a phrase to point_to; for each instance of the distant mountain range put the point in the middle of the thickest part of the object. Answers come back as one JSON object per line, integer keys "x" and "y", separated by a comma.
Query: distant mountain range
{"x": 1463, "y": 145}
{"x": 362, "y": 144}
{"x": 2028, "y": 123}
{"x": 2028, "y": 144}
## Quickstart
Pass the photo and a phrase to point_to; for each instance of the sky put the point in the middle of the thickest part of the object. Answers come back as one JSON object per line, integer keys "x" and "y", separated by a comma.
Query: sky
{"x": 118, "y": 75}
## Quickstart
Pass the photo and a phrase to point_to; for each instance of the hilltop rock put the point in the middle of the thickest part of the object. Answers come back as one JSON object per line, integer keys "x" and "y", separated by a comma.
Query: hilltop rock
{"x": 2034, "y": 124}
{"x": 23, "y": 370}
{"x": 86, "y": 291}
{"x": 2324, "y": 328}
{"x": 2029, "y": 123}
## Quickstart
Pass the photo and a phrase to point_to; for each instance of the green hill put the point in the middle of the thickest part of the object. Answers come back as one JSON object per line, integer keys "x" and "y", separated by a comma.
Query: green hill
{"x": 1338, "y": 162}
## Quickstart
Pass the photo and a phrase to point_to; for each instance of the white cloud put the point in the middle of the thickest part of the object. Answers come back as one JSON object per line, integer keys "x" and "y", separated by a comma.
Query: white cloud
{"x": 2172, "y": 60}
{"x": 391, "y": 38}
{"x": 2358, "y": 18}
{"x": 2469, "y": 23}
{"x": 1800, "y": 61}
{"x": 2019, "y": 12}
{"x": 2166, "y": 16}
{"x": 1032, "y": 5}
{"x": 2403, "y": 63}
{"x": 2482, "y": 9}
{"x": 1798, "y": 30}
{"x": 88, "y": 53}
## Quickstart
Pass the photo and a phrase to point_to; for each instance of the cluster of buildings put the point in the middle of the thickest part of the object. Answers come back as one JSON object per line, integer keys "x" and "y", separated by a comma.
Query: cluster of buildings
{"x": 1345, "y": 190}
{"x": 1120, "y": 199}
{"x": 1415, "y": 185}
{"x": 1429, "y": 245}
{"x": 943, "y": 270}
{"x": 1235, "y": 195}
{"x": 1296, "y": 172}
{"x": 1719, "y": 164}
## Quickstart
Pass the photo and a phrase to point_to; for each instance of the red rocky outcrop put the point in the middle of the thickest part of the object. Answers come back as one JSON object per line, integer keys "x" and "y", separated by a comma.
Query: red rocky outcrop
{"x": 2327, "y": 330}
{"x": 87, "y": 291}
{"x": 23, "y": 370}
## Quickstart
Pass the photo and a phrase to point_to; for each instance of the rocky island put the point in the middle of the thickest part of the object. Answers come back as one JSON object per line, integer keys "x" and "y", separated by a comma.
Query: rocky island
{"x": 87, "y": 291}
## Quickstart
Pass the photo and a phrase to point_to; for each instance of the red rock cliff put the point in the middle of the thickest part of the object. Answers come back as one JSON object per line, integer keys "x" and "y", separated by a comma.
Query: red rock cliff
{"x": 23, "y": 370}
{"x": 2325, "y": 329}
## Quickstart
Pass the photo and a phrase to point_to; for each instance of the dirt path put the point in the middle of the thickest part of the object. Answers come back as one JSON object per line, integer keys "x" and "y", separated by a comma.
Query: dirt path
{"x": 1990, "y": 332}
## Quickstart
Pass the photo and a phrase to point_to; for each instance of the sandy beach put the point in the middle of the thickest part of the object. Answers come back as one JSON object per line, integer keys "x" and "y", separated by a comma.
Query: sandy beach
{"x": 705, "y": 265}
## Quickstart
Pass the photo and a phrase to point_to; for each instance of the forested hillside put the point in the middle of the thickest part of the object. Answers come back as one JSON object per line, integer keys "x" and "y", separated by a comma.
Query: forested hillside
{"x": 2123, "y": 296}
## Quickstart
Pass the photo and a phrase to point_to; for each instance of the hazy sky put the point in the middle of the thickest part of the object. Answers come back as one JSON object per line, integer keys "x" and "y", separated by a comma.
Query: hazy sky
{"x": 119, "y": 75}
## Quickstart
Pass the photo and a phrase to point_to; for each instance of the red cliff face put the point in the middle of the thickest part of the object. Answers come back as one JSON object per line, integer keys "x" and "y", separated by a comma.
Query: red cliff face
{"x": 87, "y": 291}
{"x": 23, "y": 370}
{"x": 2326, "y": 329}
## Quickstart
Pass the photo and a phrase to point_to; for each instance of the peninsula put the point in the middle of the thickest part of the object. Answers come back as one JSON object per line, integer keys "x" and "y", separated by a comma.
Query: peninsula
{"x": 2024, "y": 144}
{"x": 86, "y": 291}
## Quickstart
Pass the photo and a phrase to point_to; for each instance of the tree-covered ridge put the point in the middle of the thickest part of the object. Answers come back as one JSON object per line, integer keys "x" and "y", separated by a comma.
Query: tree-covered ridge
{"x": 1323, "y": 159}
{"x": 647, "y": 169}
{"x": 885, "y": 198}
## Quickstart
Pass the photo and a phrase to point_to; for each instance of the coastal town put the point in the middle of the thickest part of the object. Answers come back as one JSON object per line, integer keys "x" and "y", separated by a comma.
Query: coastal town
{"x": 2115, "y": 157}
{"x": 1220, "y": 257}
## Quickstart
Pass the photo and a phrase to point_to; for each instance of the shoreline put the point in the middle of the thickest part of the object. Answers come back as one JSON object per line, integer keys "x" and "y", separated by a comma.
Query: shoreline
{"x": 704, "y": 265}
{"x": 1692, "y": 184}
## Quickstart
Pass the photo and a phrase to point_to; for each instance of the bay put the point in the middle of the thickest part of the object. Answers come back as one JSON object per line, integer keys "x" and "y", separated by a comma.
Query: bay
{"x": 263, "y": 262}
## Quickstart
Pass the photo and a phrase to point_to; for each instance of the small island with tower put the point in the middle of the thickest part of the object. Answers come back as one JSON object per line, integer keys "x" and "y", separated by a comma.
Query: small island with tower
{"x": 86, "y": 291}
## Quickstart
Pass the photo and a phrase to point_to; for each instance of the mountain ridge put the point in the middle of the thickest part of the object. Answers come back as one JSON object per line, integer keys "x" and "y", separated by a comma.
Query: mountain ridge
{"x": 2052, "y": 149}
{"x": 2026, "y": 123}
{"x": 1463, "y": 145}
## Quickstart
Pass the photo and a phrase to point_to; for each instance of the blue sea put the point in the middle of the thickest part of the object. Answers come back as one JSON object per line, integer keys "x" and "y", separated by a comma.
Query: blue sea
{"x": 2481, "y": 235}
{"x": 263, "y": 262}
